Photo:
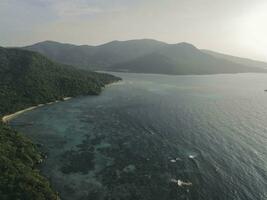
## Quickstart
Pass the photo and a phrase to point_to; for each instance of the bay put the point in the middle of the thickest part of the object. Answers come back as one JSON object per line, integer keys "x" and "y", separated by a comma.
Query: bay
{"x": 139, "y": 134}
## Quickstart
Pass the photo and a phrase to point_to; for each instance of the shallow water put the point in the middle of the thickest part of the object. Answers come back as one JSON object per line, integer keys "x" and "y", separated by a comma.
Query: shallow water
{"x": 129, "y": 142}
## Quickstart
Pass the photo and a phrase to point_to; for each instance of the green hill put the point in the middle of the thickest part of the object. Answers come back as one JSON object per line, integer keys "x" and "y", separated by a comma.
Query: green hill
{"x": 27, "y": 79}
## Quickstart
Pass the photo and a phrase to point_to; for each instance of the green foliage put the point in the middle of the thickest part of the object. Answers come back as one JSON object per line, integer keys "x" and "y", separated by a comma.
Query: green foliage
{"x": 28, "y": 79}
{"x": 19, "y": 179}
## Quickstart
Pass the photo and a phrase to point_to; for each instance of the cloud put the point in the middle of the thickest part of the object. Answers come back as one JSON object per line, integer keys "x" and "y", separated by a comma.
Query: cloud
{"x": 223, "y": 25}
{"x": 82, "y": 8}
{"x": 70, "y": 9}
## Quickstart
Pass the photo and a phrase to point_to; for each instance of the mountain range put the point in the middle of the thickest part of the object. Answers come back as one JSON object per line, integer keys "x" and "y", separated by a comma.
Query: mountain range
{"x": 146, "y": 56}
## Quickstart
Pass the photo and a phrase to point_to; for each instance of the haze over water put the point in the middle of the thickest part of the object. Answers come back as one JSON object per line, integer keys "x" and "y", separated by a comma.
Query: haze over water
{"x": 129, "y": 142}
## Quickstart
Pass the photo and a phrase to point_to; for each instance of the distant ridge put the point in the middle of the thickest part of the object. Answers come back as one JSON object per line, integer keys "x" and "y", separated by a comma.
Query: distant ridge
{"x": 236, "y": 59}
{"x": 146, "y": 56}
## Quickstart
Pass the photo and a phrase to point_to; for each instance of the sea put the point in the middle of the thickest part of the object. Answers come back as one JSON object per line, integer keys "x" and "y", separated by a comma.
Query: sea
{"x": 143, "y": 134}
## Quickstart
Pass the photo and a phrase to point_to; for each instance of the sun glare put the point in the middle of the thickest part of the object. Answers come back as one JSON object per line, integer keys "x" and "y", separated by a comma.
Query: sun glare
{"x": 253, "y": 30}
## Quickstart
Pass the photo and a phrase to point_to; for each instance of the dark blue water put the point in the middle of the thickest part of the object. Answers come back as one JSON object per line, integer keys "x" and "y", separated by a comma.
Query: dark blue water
{"x": 129, "y": 142}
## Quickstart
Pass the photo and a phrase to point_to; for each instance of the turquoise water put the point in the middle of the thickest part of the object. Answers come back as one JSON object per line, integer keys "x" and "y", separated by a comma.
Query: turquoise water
{"x": 129, "y": 142}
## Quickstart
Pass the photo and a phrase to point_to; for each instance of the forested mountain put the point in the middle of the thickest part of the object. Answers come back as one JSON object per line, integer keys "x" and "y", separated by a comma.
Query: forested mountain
{"x": 27, "y": 79}
{"x": 144, "y": 56}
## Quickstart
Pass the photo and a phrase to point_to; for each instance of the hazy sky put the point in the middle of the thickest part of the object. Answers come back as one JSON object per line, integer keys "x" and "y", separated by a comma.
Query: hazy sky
{"x": 237, "y": 27}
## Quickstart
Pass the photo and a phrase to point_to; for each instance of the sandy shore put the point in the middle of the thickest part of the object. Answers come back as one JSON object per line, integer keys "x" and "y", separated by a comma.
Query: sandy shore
{"x": 9, "y": 117}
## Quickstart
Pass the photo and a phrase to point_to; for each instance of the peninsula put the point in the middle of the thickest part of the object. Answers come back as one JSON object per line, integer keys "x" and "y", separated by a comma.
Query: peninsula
{"x": 29, "y": 80}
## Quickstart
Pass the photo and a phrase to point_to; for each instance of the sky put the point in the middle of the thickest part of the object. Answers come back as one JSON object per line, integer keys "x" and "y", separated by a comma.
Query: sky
{"x": 236, "y": 27}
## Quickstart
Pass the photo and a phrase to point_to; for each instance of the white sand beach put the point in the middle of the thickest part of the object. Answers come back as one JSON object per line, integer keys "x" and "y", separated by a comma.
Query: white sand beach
{"x": 9, "y": 117}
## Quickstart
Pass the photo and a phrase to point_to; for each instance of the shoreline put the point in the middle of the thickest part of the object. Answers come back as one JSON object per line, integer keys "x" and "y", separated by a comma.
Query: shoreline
{"x": 111, "y": 84}
{"x": 9, "y": 117}
{"x": 5, "y": 119}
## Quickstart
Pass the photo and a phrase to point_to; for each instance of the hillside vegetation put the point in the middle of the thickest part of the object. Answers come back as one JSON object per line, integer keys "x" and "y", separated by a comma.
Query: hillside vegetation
{"x": 28, "y": 79}
{"x": 19, "y": 178}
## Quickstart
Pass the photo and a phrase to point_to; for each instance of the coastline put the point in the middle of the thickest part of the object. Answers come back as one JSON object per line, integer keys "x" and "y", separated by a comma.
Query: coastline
{"x": 5, "y": 119}
{"x": 111, "y": 84}
{"x": 9, "y": 117}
